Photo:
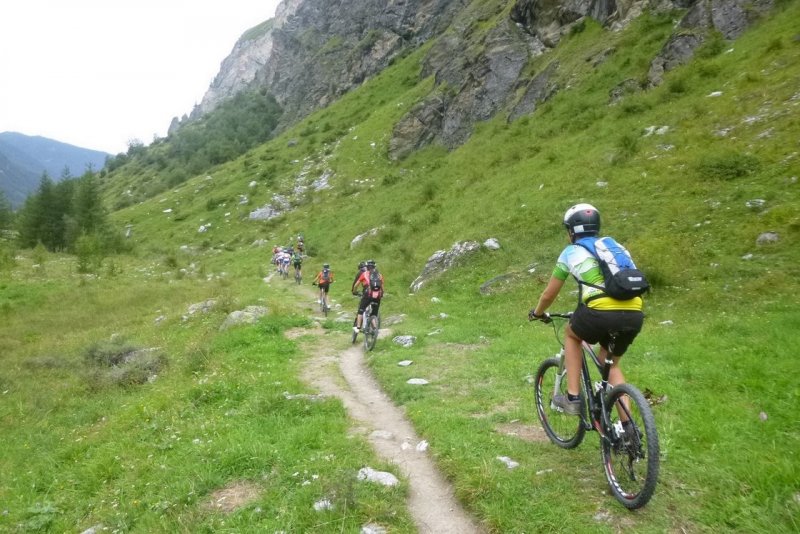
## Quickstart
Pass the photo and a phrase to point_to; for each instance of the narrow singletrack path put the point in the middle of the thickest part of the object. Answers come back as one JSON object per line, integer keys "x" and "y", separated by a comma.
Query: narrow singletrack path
{"x": 432, "y": 502}
{"x": 338, "y": 369}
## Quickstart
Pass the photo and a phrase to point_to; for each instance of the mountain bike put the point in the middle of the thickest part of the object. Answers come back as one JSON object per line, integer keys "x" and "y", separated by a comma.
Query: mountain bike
{"x": 372, "y": 324}
{"x": 298, "y": 276}
{"x": 630, "y": 451}
{"x": 323, "y": 302}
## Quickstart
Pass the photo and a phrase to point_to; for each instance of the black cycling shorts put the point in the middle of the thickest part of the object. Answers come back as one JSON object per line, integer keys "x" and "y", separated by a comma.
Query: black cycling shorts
{"x": 615, "y": 330}
{"x": 324, "y": 286}
{"x": 365, "y": 300}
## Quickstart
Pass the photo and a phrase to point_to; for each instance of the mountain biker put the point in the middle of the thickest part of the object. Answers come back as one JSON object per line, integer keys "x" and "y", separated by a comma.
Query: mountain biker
{"x": 372, "y": 283}
{"x": 301, "y": 246}
{"x": 324, "y": 279}
{"x": 286, "y": 258}
{"x": 362, "y": 266}
{"x": 297, "y": 261}
{"x": 276, "y": 250}
{"x": 598, "y": 318}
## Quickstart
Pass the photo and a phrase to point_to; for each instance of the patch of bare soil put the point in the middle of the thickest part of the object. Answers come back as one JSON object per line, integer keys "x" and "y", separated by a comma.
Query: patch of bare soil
{"x": 530, "y": 433}
{"x": 232, "y": 497}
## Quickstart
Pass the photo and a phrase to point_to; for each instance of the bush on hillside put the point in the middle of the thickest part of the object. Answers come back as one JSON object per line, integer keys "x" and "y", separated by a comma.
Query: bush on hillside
{"x": 121, "y": 364}
{"x": 727, "y": 166}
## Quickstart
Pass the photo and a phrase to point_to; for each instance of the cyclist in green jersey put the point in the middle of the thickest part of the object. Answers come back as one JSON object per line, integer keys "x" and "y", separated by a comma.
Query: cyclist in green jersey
{"x": 598, "y": 318}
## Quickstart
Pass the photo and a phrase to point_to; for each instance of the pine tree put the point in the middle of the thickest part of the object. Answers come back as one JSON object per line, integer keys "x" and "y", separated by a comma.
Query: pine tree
{"x": 6, "y": 213}
{"x": 87, "y": 206}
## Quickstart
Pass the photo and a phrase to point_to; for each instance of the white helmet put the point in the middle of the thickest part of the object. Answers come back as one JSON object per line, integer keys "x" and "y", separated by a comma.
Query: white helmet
{"x": 582, "y": 219}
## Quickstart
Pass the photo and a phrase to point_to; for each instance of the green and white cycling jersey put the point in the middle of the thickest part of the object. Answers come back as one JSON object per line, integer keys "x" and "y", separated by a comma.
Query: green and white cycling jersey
{"x": 577, "y": 261}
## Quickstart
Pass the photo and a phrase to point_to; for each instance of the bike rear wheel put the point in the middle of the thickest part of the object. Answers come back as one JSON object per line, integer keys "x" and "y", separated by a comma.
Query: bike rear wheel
{"x": 566, "y": 431}
{"x": 371, "y": 332}
{"x": 630, "y": 453}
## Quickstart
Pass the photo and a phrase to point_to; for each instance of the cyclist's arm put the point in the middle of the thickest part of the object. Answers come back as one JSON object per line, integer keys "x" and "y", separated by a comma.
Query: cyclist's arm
{"x": 357, "y": 280}
{"x": 548, "y": 295}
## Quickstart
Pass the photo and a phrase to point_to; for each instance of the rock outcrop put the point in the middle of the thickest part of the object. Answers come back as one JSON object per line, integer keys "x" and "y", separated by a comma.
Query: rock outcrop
{"x": 314, "y": 51}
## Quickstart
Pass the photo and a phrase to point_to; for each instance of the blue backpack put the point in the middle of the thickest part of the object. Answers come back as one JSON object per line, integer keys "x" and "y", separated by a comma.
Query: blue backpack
{"x": 621, "y": 279}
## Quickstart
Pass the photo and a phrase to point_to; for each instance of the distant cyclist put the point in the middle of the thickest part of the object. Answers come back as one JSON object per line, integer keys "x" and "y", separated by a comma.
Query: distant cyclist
{"x": 297, "y": 262}
{"x": 372, "y": 283}
{"x": 286, "y": 259}
{"x": 324, "y": 279}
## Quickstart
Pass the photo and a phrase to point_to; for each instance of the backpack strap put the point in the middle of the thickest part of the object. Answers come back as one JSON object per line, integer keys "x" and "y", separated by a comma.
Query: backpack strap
{"x": 588, "y": 243}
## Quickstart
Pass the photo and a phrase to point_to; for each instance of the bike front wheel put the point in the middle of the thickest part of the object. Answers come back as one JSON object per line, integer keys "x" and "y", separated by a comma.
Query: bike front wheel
{"x": 630, "y": 451}
{"x": 566, "y": 431}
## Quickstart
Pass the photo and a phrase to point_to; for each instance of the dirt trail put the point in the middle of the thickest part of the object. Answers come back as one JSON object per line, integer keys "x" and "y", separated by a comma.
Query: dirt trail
{"x": 431, "y": 499}
{"x": 344, "y": 374}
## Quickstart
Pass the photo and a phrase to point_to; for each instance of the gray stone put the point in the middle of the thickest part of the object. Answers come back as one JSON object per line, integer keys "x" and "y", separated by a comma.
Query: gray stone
{"x": 372, "y": 528}
{"x": 441, "y": 260}
{"x": 250, "y": 315}
{"x": 624, "y": 88}
{"x": 511, "y": 464}
{"x": 492, "y": 244}
{"x": 404, "y": 341}
{"x": 380, "y": 477}
{"x": 767, "y": 238}
{"x": 360, "y": 237}
{"x": 202, "y": 307}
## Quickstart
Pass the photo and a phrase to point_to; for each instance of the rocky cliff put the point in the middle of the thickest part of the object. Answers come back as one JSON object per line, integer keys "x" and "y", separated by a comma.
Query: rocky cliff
{"x": 314, "y": 51}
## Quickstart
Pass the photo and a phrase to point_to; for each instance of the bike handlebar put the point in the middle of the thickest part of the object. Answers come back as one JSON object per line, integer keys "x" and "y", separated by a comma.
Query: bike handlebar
{"x": 547, "y": 318}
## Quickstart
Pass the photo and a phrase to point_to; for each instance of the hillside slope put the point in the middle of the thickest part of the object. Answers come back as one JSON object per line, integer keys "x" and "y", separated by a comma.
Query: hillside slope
{"x": 697, "y": 176}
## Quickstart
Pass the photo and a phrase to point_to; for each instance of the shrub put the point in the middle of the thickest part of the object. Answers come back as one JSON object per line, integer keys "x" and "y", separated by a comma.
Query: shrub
{"x": 121, "y": 364}
{"x": 728, "y": 166}
{"x": 627, "y": 147}
{"x": 89, "y": 251}
{"x": 713, "y": 46}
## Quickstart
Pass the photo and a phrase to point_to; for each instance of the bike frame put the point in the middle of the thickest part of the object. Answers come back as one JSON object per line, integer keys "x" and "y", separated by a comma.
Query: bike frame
{"x": 595, "y": 417}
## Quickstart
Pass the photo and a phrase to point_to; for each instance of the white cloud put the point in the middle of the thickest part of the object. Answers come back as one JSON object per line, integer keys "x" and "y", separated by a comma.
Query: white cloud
{"x": 98, "y": 73}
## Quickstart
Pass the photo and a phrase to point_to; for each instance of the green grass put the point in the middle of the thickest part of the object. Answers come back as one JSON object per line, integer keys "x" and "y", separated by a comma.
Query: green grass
{"x": 718, "y": 340}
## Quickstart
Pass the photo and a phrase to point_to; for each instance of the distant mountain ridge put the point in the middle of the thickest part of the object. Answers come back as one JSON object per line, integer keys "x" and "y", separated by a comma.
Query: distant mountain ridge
{"x": 24, "y": 158}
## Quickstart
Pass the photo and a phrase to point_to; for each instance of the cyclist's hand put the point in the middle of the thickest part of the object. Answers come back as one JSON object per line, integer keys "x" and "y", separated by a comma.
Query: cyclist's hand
{"x": 313, "y": 283}
{"x": 545, "y": 317}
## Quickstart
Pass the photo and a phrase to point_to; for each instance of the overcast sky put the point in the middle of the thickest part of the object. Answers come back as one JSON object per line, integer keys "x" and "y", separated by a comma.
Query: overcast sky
{"x": 99, "y": 73}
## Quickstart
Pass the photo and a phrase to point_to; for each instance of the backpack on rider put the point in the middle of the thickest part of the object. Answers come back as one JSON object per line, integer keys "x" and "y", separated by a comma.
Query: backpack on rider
{"x": 622, "y": 280}
{"x": 375, "y": 284}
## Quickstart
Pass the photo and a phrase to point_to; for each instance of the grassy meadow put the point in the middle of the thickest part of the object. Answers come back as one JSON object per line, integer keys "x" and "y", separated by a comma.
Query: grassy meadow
{"x": 153, "y": 443}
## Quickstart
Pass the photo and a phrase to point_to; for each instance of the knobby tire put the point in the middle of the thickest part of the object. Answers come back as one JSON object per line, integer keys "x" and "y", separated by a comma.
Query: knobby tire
{"x": 631, "y": 464}
{"x": 566, "y": 431}
{"x": 371, "y": 332}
